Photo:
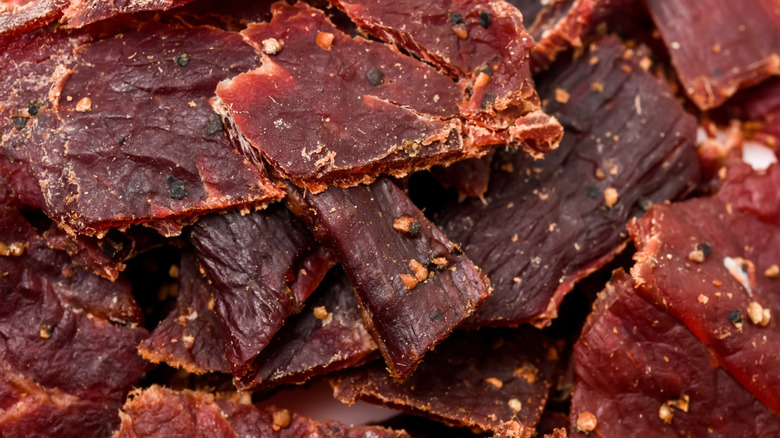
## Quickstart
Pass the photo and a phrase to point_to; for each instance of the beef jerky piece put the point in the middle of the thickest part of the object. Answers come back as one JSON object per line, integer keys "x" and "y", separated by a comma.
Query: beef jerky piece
{"x": 481, "y": 43}
{"x": 470, "y": 176}
{"x": 718, "y": 46}
{"x": 350, "y": 107}
{"x": 412, "y": 284}
{"x": 119, "y": 131}
{"x": 104, "y": 257}
{"x": 327, "y": 335}
{"x": 641, "y": 372}
{"x": 254, "y": 263}
{"x": 67, "y": 340}
{"x": 80, "y": 13}
{"x": 712, "y": 263}
{"x": 759, "y": 107}
{"x": 19, "y": 17}
{"x": 191, "y": 337}
{"x": 477, "y": 379}
{"x": 547, "y": 224}
{"x": 159, "y": 412}
{"x": 561, "y": 25}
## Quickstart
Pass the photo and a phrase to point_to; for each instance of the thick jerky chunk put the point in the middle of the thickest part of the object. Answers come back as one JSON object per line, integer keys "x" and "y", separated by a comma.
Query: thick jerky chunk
{"x": 719, "y": 46}
{"x": 481, "y": 43}
{"x": 413, "y": 285}
{"x": 641, "y": 372}
{"x": 327, "y": 335}
{"x": 116, "y": 132}
{"x": 257, "y": 264}
{"x": 191, "y": 337}
{"x": 546, "y": 224}
{"x": 67, "y": 340}
{"x": 161, "y": 412}
{"x": 712, "y": 263}
{"x": 477, "y": 379}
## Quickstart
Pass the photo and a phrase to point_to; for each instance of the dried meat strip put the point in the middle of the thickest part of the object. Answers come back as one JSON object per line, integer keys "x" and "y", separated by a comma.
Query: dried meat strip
{"x": 713, "y": 264}
{"x": 413, "y": 285}
{"x": 641, "y": 372}
{"x": 191, "y": 337}
{"x": 158, "y": 412}
{"x": 478, "y": 379}
{"x": 481, "y": 43}
{"x": 67, "y": 340}
{"x": 119, "y": 131}
{"x": 328, "y": 335}
{"x": 546, "y": 224}
{"x": 470, "y": 177}
{"x": 262, "y": 267}
{"x": 719, "y": 46}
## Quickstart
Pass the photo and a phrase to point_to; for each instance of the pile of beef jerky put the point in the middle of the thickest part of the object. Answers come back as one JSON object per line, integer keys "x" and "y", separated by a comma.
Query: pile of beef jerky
{"x": 523, "y": 218}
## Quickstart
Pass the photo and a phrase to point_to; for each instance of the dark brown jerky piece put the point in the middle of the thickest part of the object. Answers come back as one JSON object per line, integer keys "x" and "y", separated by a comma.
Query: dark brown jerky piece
{"x": 718, "y": 46}
{"x": 191, "y": 337}
{"x": 67, "y": 348}
{"x": 477, "y": 379}
{"x": 19, "y": 17}
{"x": 481, "y": 43}
{"x": 346, "y": 110}
{"x": 641, "y": 372}
{"x": 413, "y": 285}
{"x": 759, "y": 107}
{"x": 712, "y": 263}
{"x": 255, "y": 263}
{"x": 470, "y": 177}
{"x": 546, "y": 224}
{"x": 327, "y": 335}
{"x": 120, "y": 130}
{"x": 158, "y": 411}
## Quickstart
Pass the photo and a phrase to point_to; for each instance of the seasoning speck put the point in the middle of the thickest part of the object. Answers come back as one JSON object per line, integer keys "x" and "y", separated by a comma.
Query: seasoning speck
{"x": 665, "y": 413}
{"x": 320, "y": 312}
{"x": 407, "y": 225}
{"x": 324, "y": 40}
{"x": 705, "y": 248}
{"x": 460, "y": 31}
{"x": 84, "y": 105}
{"x": 33, "y": 107}
{"x": 515, "y": 405}
{"x": 757, "y": 314}
{"x": 735, "y": 317}
{"x": 182, "y": 59}
{"x": 46, "y": 331}
{"x": 375, "y": 77}
{"x": 272, "y": 46}
{"x": 282, "y": 419}
{"x": 696, "y": 255}
{"x": 494, "y": 382}
{"x": 586, "y": 422}
{"x": 593, "y": 192}
{"x": 215, "y": 124}
{"x": 176, "y": 188}
{"x": 420, "y": 271}
{"x": 561, "y": 95}
{"x": 409, "y": 281}
{"x": 703, "y": 299}
{"x": 484, "y": 19}
{"x": 610, "y": 196}
{"x": 19, "y": 122}
{"x": 456, "y": 18}
{"x": 772, "y": 271}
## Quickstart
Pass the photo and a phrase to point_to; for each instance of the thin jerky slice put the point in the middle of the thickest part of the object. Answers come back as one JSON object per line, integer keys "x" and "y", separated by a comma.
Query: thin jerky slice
{"x": 67, "y": 340}
{"x": 641, "y": 372}
{"x": 326, "y": 336}
{"x": 477, "y": 379}
{"x": 413, "y": 285}
{"x": 546, "y": 224}
{"x": 326, "y": 109}
{"x": 712, "y": 263}
{"x": 158, "y": 412}
{"x": 191, "y": 337}
{"x": 255, "y": 264}
{"x": 22, "y": 16}
{"x": 719, "y": 46}
{"x": 481, "y": 43}
{"x": 119, "y": 131}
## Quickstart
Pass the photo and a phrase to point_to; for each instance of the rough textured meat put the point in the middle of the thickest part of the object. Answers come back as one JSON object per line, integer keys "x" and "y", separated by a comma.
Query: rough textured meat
{"x": 119, "y": 131}
{"x": 760, "y": 108}
{"x": 477, "y": 379}
{"x": 481, "y": 43}
{"x": 191, "y": 337}
{"x": 470, "y": 177}
{"x": 719, "y": 46}
{"x": 546, "y": 224}
{"x": 161, "y": 412}
{"x": 353, "y": 108}
{"x": 16, "y": 18}
{"x": 633, "y": 358}
{"x": 326, "y": 336}
{"x": 712, "y": 263}
{"x": 413, "y": 285}
{"x": 262, "y": 267}
{"x": 67, "y": 339}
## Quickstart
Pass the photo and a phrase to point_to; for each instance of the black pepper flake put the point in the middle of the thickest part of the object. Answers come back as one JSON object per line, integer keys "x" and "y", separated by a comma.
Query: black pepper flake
{"x": 122, "y": 140}
{"x": 645, "y": 203}
{"x": 414, "y": 229}
{"x": 176, "y": 188}
{"x": 593, "y": 192}
{"x": 488, "y": 100}
{"x": 182, "y": 59}
{"x": 33, "y": 107}
{"x": 215, "y": 124}
{"x": 705, "y": 248}
{"x": 109, "y": 250}
{"x": 456, "y": 249}
{"x": 485, "y": 68}
{"x": 375, "y": 77}
{"x": 19, "y": 122}
{"x": 456, "y": 18}
{"x": 437, "y": 315}
{"x": 735, "y": 317}
{"x": 484, "y": 19}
